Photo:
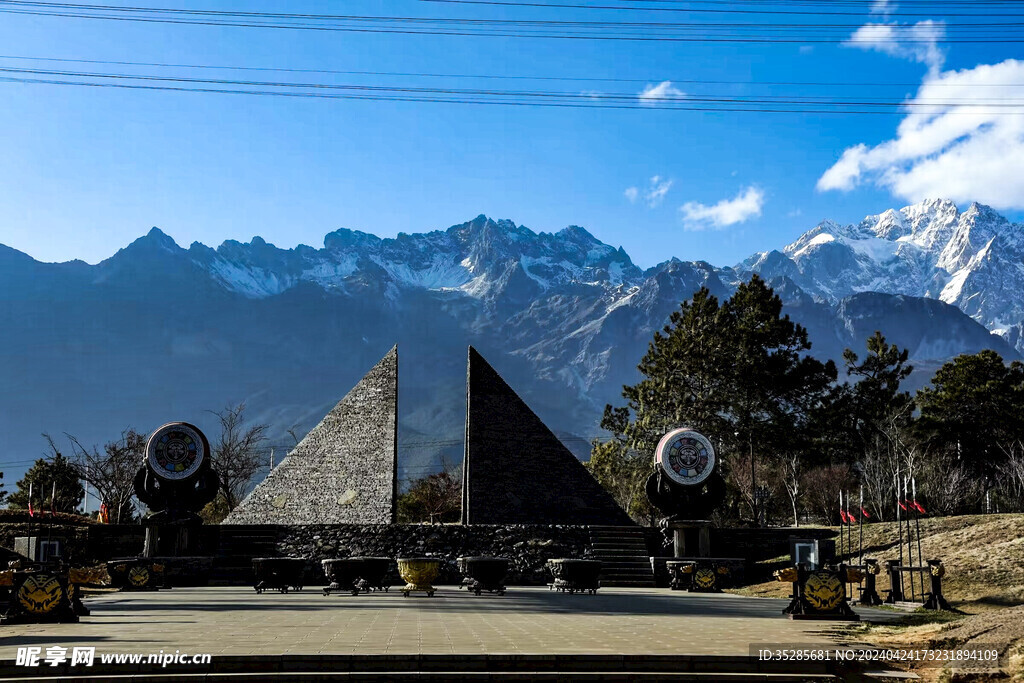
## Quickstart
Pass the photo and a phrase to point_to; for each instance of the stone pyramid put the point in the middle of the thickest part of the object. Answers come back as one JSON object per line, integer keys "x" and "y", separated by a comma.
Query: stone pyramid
{"x": 515, "y": 470}
{"x": 345, "y": 470}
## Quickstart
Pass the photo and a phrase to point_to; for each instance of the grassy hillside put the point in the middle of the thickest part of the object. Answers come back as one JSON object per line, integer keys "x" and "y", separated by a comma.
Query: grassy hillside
{"x": 984, "y": 559}
{"x": 983, "y": 555}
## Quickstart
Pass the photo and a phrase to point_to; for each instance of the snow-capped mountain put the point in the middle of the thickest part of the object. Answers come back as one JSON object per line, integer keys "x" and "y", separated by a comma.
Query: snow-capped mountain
{"x": 159, "y": 332}
{"x": 973, "y": 260}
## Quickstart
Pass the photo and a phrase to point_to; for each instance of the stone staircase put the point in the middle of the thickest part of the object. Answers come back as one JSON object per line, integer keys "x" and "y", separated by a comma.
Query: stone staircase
{"x": 623, "y": 551}
{"x": 463, "y": 668}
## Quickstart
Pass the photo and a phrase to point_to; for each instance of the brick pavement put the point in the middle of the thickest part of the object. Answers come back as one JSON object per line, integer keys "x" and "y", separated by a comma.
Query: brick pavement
{"x": 236, "y": 621}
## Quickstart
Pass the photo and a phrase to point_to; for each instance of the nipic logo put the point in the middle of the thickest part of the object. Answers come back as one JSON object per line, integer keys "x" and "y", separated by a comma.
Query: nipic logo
{"x": 86, "y": 656}
{"x": 55, "y": 655}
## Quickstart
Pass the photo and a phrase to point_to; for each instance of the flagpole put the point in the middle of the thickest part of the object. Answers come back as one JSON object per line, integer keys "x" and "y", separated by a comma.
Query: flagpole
{"x": 842, "y": 519}
{"x": 899, "y": 518}
{"x": 860, "y": 524}
{"x": 917, "y": 523}
{"x": 909, "y": 538}
{"x": 32, "y": 543}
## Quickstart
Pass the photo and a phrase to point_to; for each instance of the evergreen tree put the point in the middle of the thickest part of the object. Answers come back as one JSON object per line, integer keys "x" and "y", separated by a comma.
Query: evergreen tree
{"x": 774, "y": 387}
{"x": 880, "y": 427}
{"x": 42, "y": 477}
{"x": 973, "y": 407}
{"x": 685, "y": 378}
{"x": 738, "y": 372}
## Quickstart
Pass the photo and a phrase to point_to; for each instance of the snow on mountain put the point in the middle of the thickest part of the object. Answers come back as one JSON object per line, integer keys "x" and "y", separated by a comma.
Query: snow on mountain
{"x": 973, "y": 260}
{"x": 158, "y": 332}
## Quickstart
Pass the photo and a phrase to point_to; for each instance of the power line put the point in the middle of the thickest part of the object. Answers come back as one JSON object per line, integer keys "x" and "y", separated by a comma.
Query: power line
{"x": 760, "y": 103}
{"x": 643, "y": 31}
{"x": 413, "y": 74}
{"x": 732, "y": 10}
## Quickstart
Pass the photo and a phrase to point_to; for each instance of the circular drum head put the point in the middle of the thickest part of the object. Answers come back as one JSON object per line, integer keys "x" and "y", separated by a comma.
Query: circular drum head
{"x": 176, "y": 451}
{"x": 686, "y": 456}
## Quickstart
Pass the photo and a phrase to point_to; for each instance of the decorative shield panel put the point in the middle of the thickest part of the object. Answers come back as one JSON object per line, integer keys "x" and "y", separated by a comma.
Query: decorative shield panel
{"x": 40, "y": 593}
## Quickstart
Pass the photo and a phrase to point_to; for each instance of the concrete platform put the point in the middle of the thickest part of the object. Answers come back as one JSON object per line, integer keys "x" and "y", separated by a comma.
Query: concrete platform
{"x": 235, "y": 621}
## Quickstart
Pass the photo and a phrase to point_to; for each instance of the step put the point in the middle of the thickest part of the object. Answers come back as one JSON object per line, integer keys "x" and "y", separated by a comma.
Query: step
{"x": 462, "y": 667}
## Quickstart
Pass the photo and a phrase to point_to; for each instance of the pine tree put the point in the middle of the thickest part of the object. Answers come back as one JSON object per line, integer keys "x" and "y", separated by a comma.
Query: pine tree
{"x": 42, "y": 476}
{"x": 738, "y": 372}
{"x": 973, "y": 406}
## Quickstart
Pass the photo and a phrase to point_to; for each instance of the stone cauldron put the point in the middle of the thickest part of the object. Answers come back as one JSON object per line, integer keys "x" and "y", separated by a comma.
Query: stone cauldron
{"x": 419, "y": 573}
{"x": 278, "y": 573}
{"x": 484, "y": 573}
{"x": 575, "y": 575}
{"x": 344, "y": 574}
{"x": 374, "y": 573}
{"x": 355, "y": 574}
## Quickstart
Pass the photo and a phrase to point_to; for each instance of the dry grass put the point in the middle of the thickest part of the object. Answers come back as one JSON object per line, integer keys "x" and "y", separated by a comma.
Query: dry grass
{"x": 984, "y": 559}
{"x": 983, "y": 555}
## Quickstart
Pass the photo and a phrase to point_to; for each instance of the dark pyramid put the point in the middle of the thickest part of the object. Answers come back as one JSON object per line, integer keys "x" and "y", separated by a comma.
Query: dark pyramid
{"x": 345, "y": 470}
{"x": 515, "y": 470}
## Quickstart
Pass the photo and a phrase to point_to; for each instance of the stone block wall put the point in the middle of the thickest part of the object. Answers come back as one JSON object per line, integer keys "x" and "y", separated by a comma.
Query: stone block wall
{"x": 515, "y": 470}
{"x": 344, "y": 471}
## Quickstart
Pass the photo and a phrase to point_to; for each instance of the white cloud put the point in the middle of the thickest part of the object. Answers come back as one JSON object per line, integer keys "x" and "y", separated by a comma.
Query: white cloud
{"x": 885, "y": 7}
{"x": 653, "y": 194}
{"x": 960, "y": 148}
{"x": 654, "y": 94}
{"x": 917, "y": 42}
{"x": 744, "y": 206}
{"x": 806, "y": 49}
{"x": 657, "y": 190}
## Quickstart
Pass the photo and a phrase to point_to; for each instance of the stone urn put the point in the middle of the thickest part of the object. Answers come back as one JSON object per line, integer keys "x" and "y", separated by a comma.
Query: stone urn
{"x": 681, "y": 572}
{"x": 418, "y": 573}
{"x": 278, "y": 573}
{"x": 575, "y": 575}
{"x": 374, "y": 574}
{"x": 344, "y": 574}
{"x": 484, "y": 573}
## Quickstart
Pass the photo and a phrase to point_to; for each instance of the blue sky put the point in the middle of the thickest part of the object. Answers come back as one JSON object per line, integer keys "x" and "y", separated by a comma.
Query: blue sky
{"x": 83, "y": 171}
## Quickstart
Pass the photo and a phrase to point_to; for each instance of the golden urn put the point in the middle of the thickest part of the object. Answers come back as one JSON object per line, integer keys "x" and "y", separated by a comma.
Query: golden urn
{"x": 419, "y": 573}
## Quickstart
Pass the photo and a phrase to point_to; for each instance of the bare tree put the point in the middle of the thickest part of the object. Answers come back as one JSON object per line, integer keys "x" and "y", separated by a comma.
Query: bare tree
{"x": 789, "y": 476}
{"x": 435, "y": 498}
{"x": 949, "y": 483}
{"x": 111, "y": 471}
{"x": 1012, "y": 470}
{"x": 238, "y": 453}
{"x": 823, "y": 485}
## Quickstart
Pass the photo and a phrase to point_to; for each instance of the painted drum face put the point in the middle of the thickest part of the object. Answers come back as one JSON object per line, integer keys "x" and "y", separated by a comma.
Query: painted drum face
{"x": 40, "y": 593}
{"x": 176, "y": 451}
{"x": 686, "y": 456}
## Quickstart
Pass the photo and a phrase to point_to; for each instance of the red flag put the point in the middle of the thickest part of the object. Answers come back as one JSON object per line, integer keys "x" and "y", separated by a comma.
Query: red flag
{"x": 31, "y": 512}
{"x": 865, "y": 513}
{"x": 849, "y": 518}
{"x": 917, "y": 506}
{"x": 843, "y": 516}
{"x": 901, "y": 504}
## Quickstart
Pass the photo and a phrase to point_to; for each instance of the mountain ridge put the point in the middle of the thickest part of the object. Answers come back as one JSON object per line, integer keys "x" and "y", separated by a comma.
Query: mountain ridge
{"x": 158, "y": 331}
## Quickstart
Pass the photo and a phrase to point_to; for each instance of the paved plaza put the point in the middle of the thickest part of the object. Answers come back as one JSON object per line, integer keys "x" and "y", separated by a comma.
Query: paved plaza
{"x": 236, "y": 621}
